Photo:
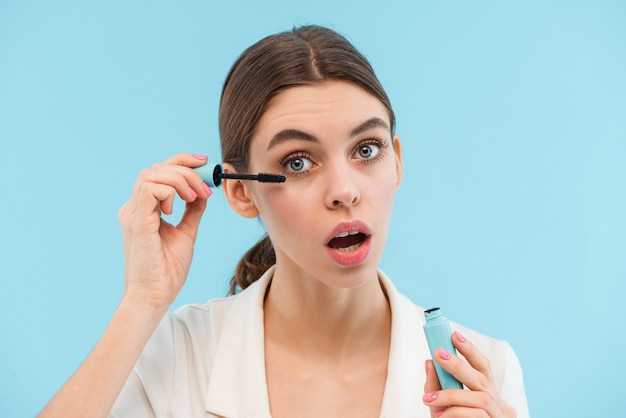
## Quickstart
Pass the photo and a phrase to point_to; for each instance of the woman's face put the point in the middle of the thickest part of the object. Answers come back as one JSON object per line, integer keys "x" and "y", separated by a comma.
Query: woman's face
{"x": 330, "y": 219}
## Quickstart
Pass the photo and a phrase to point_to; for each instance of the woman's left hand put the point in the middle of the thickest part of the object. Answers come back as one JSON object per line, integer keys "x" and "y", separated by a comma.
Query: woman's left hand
{"x": 482, "y": 398}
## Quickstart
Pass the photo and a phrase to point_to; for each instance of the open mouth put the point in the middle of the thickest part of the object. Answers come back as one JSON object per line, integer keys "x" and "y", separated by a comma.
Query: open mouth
{"x": 347, "y": 241}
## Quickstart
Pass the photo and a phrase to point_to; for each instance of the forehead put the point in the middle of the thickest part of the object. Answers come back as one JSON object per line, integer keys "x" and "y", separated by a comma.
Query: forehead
{"x": 330, "y": 104}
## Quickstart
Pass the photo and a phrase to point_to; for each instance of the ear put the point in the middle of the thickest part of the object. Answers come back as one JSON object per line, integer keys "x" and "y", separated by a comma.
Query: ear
{"x": 399, "y": 170}
{"x": 238, "y": 195}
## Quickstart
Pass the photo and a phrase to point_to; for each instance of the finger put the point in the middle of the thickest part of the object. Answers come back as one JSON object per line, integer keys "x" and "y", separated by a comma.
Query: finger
{"x": 482, "y": 364}
{"x": 180, "y": 160}
{"x": 474, "y": 357}
{"x": 190, "y": 221}
{"x": 456, "y": 412}
{"x": 431, "y": 387}
{"x": 465, "y": 403}
{"x": 462, "y": 370}
{"x": 148, "y": 202}
{"x": 186, "y": 159}
{"x": 153, "y": 197}
{"x": 187, "y": 182}
{"x": 432, "y": 381}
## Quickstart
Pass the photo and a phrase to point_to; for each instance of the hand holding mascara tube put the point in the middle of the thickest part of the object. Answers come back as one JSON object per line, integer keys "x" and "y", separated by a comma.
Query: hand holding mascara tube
{"x": 438, "y": 334}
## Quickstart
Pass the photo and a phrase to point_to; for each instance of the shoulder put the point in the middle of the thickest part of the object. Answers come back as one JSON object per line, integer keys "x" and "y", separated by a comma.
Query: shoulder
{"x": 505, "y": 366}
{"x": 201, "y": 319}
{"x": 184, "y": 332}
{"x": 496, "y": 350}
{"x": 183, "y": 337}
{"x": 504, "y": 362}
{"x": 173, "y": 370}
{"x": 198, "y": 327}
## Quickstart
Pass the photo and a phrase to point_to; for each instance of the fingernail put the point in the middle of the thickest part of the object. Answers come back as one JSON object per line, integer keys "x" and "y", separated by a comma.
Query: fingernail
{"x": 429, "y": 397}
{"x": 193, "y": 193}
{"x": 439, "y": 413}
{"x": 444, "y": 354}
{"x": 207, "y": 189}
{"x": 460, "y": 337}
{"x": 200, "y": 156}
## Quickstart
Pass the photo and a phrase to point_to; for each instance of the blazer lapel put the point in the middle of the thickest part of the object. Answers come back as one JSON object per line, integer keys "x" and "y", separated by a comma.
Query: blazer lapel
{"x": 237, "y": 385}
{"x": 407, "y": 354}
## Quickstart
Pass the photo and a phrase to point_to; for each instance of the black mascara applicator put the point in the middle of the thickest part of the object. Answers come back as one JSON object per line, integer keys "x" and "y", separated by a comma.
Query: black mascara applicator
{"x": 212, "y": 174}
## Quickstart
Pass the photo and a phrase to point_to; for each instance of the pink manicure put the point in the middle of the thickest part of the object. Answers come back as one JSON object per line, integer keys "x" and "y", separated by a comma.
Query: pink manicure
{"x": 200, "y": 156}
{"x": 444, "y": 354}
{"x": 193, "y": 193}
{"x": 207, "y": 189}
{"x": 440, "y": 412}
{"x": 460, "y": 337}
{"x": 429, "y": 397}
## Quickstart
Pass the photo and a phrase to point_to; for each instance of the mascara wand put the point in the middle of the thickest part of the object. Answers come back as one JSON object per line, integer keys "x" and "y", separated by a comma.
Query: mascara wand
{"x": 212, "y": 174}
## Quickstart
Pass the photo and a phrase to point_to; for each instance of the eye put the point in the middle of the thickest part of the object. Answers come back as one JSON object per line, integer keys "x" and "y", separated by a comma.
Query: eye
{"x": 297, "y": 164}
{"x": 368, "y": 151}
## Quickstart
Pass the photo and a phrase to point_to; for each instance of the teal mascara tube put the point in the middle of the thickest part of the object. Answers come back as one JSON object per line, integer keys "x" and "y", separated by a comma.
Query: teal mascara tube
{"x": 438, "y": 334}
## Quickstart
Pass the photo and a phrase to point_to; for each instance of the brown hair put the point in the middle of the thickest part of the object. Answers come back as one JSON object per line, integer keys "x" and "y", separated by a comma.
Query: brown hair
{"x": 304, "y": 55}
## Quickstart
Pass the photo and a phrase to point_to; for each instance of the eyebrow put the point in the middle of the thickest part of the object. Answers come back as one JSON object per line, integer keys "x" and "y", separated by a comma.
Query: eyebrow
{"x": 288, "y": 134}
{"x": 372, "y": 123}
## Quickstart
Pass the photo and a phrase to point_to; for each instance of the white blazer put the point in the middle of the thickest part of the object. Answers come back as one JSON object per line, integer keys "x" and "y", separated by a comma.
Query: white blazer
{"x": 208, "y": 361}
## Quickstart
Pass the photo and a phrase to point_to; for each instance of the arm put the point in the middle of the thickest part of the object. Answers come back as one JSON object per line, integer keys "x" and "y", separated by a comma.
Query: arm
{"x": 94, "y": 387}
{"x": 157, "y": 259}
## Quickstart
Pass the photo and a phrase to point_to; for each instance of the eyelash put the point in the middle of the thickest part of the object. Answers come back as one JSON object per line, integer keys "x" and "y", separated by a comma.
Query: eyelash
{"x": 382, "y": 144}
{"x": 294, "y": 156}
{"x": 379, "y": 142}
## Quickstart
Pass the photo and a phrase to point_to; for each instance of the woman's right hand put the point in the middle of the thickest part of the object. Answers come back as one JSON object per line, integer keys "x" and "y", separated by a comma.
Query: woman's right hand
{"x": 158, "y": 254}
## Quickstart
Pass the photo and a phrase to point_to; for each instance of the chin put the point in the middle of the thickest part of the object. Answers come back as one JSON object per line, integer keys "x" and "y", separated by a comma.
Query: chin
{"x": 352, "y": 277}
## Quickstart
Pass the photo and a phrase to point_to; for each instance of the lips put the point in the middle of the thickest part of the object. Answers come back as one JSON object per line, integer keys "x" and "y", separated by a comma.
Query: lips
{"x": 349, "y": 243}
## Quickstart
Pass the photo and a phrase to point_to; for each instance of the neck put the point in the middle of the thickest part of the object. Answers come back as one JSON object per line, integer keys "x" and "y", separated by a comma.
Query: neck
{"x": 321, "y": 321}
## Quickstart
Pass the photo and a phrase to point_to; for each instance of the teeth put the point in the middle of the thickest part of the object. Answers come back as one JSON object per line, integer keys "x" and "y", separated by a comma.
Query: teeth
{"x": 350, "y": 248}
{"x": 345, "y": 234}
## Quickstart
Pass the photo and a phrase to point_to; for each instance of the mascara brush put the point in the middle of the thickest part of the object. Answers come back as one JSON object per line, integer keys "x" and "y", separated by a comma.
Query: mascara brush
{"x": 212, "y": 174}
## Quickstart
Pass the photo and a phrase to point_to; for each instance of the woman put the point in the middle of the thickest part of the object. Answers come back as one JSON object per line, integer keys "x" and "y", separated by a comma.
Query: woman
{"x": 318, "y": 330}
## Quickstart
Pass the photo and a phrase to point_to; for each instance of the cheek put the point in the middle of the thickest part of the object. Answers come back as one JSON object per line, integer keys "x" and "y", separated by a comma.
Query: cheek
{"x": 382, "y": 197}
{"x": 387, "y": 183}
{"x": 286, "y": 208}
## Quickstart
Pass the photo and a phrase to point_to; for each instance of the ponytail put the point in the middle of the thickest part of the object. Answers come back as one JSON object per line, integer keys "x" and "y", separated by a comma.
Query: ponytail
{"x": 253, "y": 264}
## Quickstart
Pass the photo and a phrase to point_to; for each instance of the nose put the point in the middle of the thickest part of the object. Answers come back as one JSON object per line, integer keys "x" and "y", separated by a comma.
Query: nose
{"x": 342, "y": 188}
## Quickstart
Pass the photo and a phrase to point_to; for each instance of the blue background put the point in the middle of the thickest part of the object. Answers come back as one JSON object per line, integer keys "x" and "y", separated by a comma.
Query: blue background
{"x": 511, "y": 215}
